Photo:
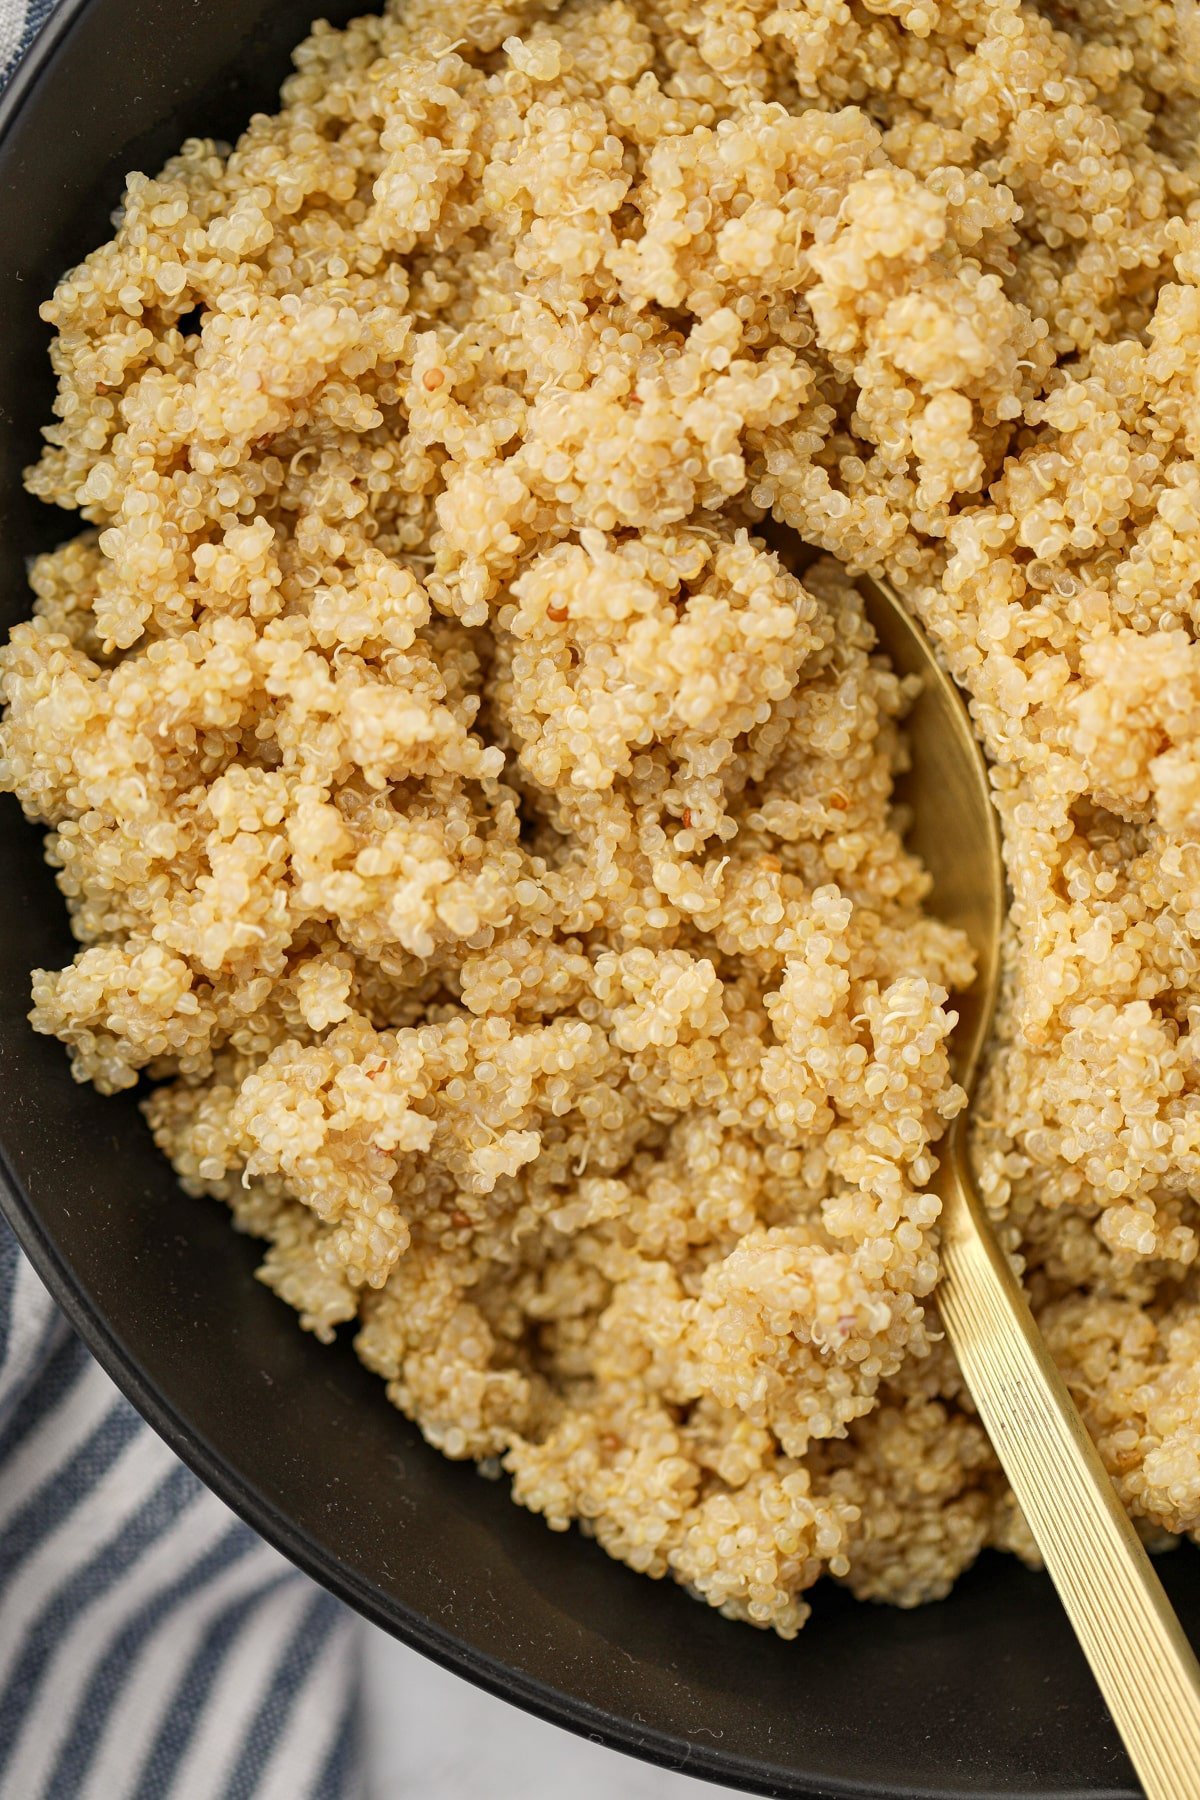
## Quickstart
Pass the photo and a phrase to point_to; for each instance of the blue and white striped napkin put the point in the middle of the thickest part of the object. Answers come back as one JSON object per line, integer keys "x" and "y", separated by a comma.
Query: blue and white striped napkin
{"x": 20, "y": 22}
{"x": 151, "y": 1646}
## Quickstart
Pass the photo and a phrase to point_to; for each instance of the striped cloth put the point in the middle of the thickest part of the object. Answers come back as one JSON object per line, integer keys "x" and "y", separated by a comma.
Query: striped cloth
{"x": 20, "y": 22}
{"x": 152, "y": 1647}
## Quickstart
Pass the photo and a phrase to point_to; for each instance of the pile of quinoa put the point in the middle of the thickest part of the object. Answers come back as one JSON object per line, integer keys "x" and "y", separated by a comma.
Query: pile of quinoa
{"x": 484, "y": 842}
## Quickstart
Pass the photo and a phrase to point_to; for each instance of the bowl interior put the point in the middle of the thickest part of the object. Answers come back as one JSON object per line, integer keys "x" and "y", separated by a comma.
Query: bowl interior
{"x": 984, "y": 1694}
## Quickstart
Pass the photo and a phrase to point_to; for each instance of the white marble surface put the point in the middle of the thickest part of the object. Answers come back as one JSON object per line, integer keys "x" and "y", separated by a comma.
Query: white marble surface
{"x": 434, "y": 1737}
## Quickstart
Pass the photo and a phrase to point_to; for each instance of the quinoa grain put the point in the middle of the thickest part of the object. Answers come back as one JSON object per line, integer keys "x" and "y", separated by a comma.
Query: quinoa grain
{"x": 485, "y": 842}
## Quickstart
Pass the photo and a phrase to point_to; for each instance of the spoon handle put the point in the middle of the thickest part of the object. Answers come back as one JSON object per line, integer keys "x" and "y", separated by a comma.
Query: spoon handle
{"x": 1142, "y": 1661}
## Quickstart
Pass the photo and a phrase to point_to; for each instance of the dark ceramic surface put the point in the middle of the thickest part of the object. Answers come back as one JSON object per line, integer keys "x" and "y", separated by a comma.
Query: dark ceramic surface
{"x": 985, "y": 1694}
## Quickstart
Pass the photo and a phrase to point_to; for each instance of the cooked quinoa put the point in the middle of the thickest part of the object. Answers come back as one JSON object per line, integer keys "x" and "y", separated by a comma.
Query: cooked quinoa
{"x": 484, "y": 841}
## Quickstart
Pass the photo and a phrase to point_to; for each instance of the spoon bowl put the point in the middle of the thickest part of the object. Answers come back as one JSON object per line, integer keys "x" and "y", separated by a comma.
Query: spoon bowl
{"x": 953, "y": 822}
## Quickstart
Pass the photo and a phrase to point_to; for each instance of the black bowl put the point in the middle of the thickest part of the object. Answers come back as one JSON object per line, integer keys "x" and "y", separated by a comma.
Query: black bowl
{"x": 985, "y": 1694}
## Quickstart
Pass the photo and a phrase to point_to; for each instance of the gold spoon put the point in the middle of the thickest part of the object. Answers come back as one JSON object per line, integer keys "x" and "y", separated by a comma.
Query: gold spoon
{"x": 1142, "y": 1661}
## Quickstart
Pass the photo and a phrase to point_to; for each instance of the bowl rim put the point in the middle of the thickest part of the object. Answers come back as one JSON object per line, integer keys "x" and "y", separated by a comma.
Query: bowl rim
{"x": 545, "y": 1701}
